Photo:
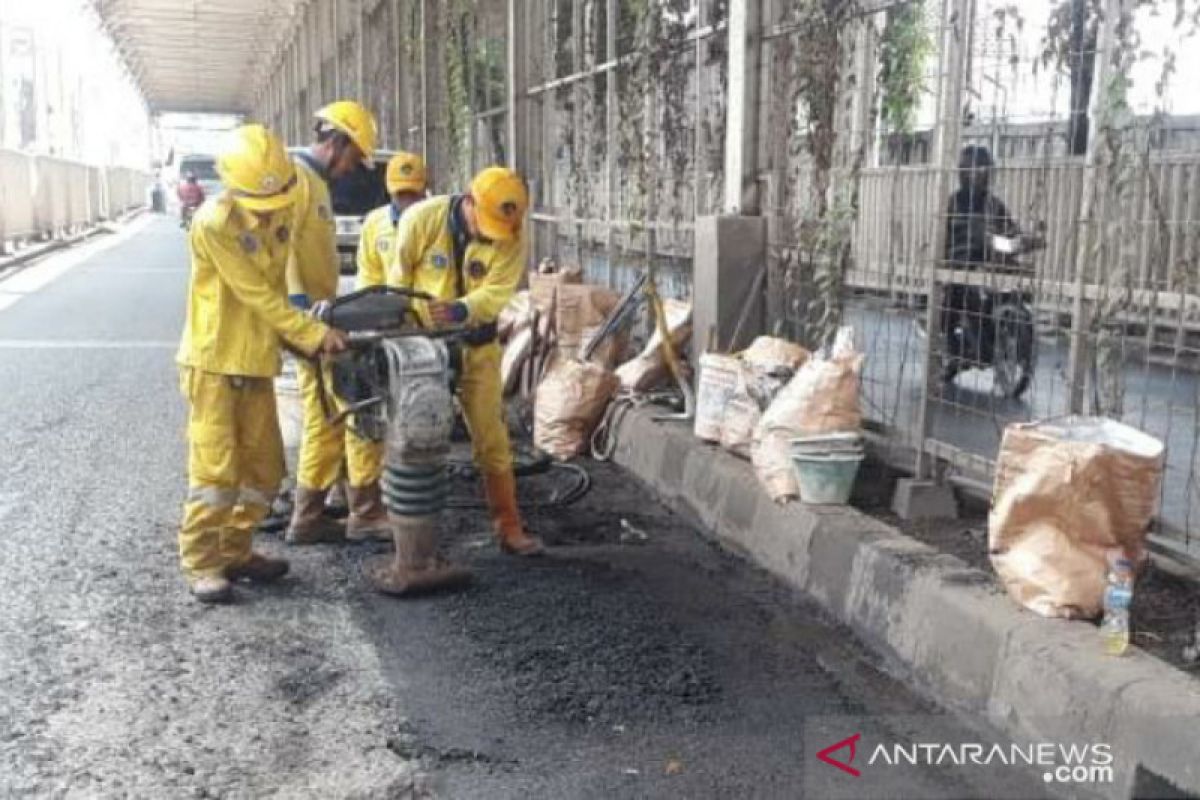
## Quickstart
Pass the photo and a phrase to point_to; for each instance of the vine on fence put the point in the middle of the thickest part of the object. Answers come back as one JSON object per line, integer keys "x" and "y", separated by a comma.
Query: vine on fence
{"x": 458, "y": 98}
{"x": 816, "y": 87}
{"x": 652, "y": 93}
{"x": 1122, "y": 171}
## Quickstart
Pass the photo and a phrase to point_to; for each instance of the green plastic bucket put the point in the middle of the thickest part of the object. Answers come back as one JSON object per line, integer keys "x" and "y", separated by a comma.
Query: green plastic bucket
{"x": 826, "y": 480}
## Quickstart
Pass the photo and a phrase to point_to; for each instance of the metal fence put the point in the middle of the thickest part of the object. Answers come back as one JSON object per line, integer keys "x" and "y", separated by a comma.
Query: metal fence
{"x": 1113, "y": 294}
{"x": 842, "y": 124}
{"x": 43, "y": 197}
{"x": 626, "y": 126}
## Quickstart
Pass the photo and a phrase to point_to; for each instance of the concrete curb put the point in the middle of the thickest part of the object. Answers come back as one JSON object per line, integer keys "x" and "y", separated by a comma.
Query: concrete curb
{"x": 9, "y": 264}
{"x": 944, "y": 623}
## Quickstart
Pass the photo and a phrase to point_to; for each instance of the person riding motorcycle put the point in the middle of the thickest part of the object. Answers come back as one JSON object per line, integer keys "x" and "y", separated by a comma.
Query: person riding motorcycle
{"x": 191, "y": 197}
{"x": 981, "y": 235}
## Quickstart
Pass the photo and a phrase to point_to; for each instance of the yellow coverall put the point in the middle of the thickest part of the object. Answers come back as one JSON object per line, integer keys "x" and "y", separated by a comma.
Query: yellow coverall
{"x": 313, "y": 272}
{"x": 364, "y": 458}
{"x": 490, "y": 272}
{"x": 228, "y": 356}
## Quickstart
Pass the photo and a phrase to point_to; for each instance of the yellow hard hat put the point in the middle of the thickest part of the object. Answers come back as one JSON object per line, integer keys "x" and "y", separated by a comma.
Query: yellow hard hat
{"x": 354, "y": 120}
{"x": 501, "y": 200}
{"x": 256, "y": 170}
{"x": 405, "y": 173}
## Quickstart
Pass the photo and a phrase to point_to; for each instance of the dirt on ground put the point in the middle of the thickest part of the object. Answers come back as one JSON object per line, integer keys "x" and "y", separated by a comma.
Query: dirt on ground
{"x": 1166, "y": 612}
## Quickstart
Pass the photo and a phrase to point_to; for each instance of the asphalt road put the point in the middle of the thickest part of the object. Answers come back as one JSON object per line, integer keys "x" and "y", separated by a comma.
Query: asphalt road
{"x": 626, "y": 664}
{"x": 1159, "y": 399}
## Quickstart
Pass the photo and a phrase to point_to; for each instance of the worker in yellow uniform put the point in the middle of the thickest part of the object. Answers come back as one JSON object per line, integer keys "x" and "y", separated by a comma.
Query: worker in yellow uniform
{"x": 467, "y": 251}
{"x": 237, "y": 316}
{"x": 405, "y": 180}
{"x": 345, "y": 141}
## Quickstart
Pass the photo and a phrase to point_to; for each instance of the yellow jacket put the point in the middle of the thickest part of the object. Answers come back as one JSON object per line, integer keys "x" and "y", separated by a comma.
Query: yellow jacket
{"x": 237, "y": 303}
{"x": 375, "y": 245}
{"x": 313, "y": 268}
{"x": 424, "y": 260}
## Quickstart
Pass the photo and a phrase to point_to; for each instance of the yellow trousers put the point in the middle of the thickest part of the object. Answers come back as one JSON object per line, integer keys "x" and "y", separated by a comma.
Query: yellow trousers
{"x": 482, "y": 400}
{"x": 235, "y": 464}
{"x": 324, "y": 447}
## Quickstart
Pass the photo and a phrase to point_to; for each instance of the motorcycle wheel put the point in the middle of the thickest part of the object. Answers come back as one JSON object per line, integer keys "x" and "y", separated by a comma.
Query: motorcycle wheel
{"x": 1013, "y": 353}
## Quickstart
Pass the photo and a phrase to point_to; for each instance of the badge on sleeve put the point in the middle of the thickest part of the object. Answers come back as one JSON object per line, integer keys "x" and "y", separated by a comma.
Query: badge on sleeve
{"x": 440, "y": 261}
{"x": 476, "y": 269}
{"x": 282, "y": 234}
{"x": 383, "y": 244}
{"x": 248, "y": 243}
{"x": 323, "y": 211}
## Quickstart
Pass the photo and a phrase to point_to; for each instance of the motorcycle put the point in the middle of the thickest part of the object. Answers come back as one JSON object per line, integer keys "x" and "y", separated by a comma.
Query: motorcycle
{"x": 992, "y": 329}
{"x": 185, "y": 216}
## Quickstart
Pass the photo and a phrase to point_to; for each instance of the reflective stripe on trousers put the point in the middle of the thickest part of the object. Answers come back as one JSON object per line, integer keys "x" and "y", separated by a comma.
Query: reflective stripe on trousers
{"x": 235, "y": 464}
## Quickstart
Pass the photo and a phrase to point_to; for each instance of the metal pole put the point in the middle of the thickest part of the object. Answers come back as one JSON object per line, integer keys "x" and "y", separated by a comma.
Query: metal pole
{"x": 425, "y": 78}
{"x": 741, "y": 113}
{"x": 398, "y": 94}
{"x": 549, "y": 17}
{"x": 577, "y": 121}
{"x": 472, "y": 92}
{"x": 1081, "y": 310}
{"x": 516, "y": 101}
{"x": 957, "y": 18}
{"x": 361, "y": 46}
{"x": 610, "y": 129}
{"x": 698, "y": 110}
{"x": 335, "y": 28}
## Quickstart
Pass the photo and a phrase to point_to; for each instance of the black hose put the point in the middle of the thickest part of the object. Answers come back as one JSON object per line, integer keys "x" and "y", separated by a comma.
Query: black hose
{"x": 580, "y": 486}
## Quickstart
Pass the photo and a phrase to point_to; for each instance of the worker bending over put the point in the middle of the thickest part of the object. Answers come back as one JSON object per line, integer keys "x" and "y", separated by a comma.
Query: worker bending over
{"x": 468, "y": 252}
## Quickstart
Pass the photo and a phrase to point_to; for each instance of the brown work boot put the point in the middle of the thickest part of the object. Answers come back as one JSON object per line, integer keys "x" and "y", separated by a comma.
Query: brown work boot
{"x": 309, "y": 524}
{"x": 415, "y": 567}
{"x": 506, "y": 518}
{"x": 257, "y": 569}
{"x": 368, "y": 519}
{"x": 211, "y": 589}
{"x": 337, "y": 503}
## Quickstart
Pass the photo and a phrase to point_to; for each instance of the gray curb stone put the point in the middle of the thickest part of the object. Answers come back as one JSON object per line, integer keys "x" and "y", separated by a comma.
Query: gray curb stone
{"x": 944, "y": 623}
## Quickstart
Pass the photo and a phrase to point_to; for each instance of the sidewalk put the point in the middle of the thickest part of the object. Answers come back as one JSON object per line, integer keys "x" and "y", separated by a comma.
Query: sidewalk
{"x": 943, "y": 623}
{"x": 42, "y": 249}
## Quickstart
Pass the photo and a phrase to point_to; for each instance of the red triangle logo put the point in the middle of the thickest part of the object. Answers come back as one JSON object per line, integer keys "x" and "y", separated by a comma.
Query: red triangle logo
{"x": 844, "y": 766}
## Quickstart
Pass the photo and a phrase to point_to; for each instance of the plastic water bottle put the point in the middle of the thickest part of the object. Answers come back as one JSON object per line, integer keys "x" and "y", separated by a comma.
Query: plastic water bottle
{"x": 1118, "y": 600}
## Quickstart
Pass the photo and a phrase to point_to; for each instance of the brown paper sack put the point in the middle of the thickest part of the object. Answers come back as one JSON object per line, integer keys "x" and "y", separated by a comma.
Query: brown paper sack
{"x": 648, "y": 369}
{"x": 570, "y": 402}
{"x": 1066, "y": 492}
{"x": 821, "y": 398}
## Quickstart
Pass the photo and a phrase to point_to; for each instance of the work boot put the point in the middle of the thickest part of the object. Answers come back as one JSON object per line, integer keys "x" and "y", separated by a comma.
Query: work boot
{"x": 280, "y": 515}
{"x": 211, "y": 589}
{"x": 368, "y": 519}
{"x": 506, "y": 518}
{"x": 309, "y": 523}
{"x": 415, "y": 567}
{"x": 257, "y": 569}
{"x": 337, "y": 503}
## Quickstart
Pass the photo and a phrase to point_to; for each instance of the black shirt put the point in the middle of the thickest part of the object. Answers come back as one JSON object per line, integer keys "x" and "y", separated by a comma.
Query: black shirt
{"x": 973, "y": 218}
